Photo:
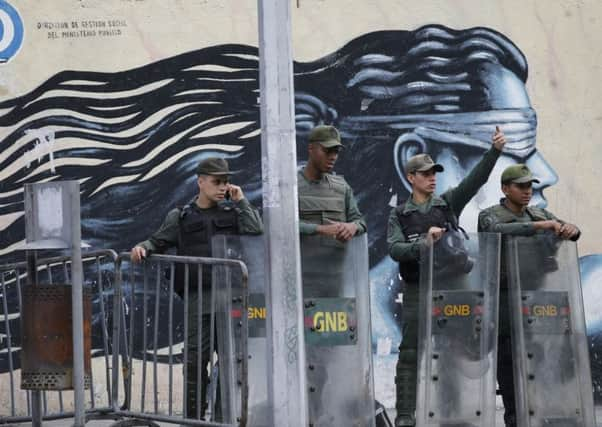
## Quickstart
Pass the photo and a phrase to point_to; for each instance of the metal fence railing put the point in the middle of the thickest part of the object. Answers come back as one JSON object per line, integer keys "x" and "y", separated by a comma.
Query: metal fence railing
{"x": 15, "y": 404}
{"x": 147, "y": 346}
{"x": 160, "y": 335}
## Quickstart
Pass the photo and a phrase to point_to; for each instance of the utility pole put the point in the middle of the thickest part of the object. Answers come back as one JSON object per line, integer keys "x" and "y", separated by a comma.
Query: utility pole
{"x": 287, "y": 390}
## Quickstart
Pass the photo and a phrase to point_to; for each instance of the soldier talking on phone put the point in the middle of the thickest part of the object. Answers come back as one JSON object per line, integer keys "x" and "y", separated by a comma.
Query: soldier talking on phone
{"x": 219, "y": 208}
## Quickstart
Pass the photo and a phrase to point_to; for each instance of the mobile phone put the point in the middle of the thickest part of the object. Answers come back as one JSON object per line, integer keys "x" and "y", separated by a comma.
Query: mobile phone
{"x": 227, "y": 196}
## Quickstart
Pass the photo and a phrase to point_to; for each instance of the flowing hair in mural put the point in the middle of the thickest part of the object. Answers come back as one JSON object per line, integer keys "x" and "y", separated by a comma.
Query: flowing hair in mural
{"x": 132, "y": 139}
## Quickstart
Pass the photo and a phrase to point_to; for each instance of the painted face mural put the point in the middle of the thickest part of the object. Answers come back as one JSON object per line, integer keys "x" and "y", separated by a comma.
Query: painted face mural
{"x": 133, "y": 138}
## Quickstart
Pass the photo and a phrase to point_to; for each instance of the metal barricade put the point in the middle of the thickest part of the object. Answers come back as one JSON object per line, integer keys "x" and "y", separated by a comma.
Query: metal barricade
{"x": 336, "y": 296}
{"x": 99, "y": 274}
{"x": 250, "y": 250}
{"x": 168, "y": 291}
{"x": 552, "y": 373}
{"x": 457, "y": 340}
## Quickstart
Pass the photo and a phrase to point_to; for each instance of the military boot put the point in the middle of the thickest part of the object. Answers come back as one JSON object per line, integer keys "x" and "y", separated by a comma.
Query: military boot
{"x": 510, "y": 420}
{"x": 405, "y": 420}
{"x": 405, "y": 405}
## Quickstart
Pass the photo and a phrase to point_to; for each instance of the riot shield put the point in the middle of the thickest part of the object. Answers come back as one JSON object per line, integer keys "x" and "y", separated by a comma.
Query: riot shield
{"x": 549, "y": 342}
{"x": 337, "y": 332}
{"x": 248, "y": 249}
{"x": 457, "y": 345}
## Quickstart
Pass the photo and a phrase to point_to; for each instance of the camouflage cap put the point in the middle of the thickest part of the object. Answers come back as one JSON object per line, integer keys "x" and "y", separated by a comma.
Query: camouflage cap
{"x": 422, "y": 163}
{"x": 326, "y": 136}
{"x": 517, "y": 174}
{"x": 213, "y": 166}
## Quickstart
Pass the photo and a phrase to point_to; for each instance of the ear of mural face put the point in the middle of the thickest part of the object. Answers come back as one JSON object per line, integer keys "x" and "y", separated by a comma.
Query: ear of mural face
{"x": 406, "y": 147}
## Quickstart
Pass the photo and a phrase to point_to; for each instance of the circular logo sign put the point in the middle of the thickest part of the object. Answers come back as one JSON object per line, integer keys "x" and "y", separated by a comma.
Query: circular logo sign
{"x": 11, "y": 31}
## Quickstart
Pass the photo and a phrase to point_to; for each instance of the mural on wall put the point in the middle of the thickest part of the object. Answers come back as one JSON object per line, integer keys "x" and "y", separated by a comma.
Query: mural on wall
{"x": 133, "y": 138}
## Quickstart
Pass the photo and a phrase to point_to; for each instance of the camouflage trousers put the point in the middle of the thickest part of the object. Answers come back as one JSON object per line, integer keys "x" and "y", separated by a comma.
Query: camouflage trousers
{"x": 505, "y": 372}
{"x": 407, "y": 363}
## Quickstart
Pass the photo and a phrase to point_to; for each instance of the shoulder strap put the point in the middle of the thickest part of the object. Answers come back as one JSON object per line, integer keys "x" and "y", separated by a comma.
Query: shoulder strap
{"x": 450, "y": 216}
{"x": 184, "y": 210}
{"x": 537, "y": 214}
{"x": 399, "y": 210}
{"x": 501, "y": 213}
{"x": 336, "y": 179}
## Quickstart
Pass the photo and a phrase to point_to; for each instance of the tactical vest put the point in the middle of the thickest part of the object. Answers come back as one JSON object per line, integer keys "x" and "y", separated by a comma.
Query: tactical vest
{"x": 196, "y": 229}
{"x": 505, "y": 216}
{"x": 414, "y": 225}
{"x": 322, "y": 202}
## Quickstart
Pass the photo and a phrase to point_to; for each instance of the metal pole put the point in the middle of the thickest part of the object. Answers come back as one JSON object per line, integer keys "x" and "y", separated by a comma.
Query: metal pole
{"x": 115, "y": 344}
{"x": 36, "y": 395}
{"x": 77, "y": 280}
{"x": 287, "y": 388}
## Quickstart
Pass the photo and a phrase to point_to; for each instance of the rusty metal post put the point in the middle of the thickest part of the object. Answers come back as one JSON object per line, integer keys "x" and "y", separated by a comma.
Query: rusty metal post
{"x": 36, "y": 395}
{"x": 52, "y": 221}
{"x": 47, "y": 357}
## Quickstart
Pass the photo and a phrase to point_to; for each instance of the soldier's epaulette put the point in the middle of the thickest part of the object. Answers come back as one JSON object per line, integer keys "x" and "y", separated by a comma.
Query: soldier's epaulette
{"x": 440, "y": 201}
{"x": 495, "y": 209}
{"x": 337, "y": 181}
{"x": 336, "y": 178}
{"x": 183, "y": 210}
{"x": 400, "y": 208}
{"x": 500, "y": 212}
{"x": 537, "y": 213}
{"x": 226, "y": 205}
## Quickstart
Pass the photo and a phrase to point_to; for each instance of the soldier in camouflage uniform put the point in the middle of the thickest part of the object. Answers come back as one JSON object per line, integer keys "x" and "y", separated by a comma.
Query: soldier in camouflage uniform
{"x": 513, "y": 216}
{"x": 425, "y": 217}
{"x": 326, "y": 202}
{"x": 327, "y": 208}
{"x": 219, "y": 208}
